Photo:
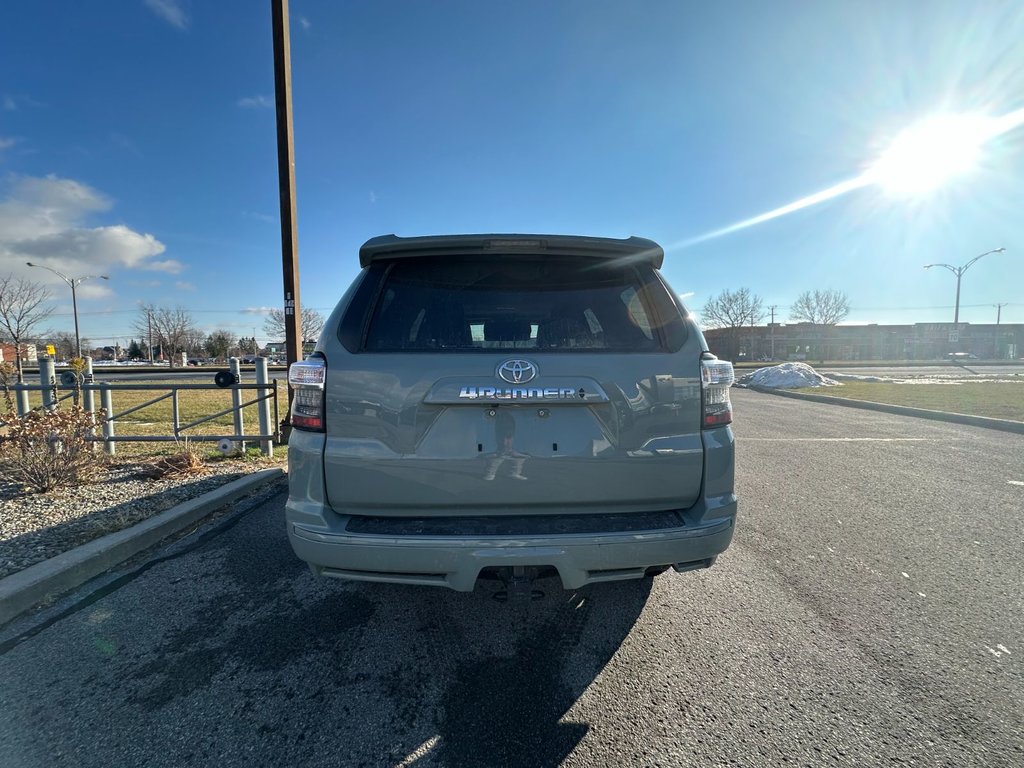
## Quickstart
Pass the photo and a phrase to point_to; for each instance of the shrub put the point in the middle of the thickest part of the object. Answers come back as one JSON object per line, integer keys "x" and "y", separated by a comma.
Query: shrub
{"x": 7, "y": 372}
{"x": 49, "y": 449}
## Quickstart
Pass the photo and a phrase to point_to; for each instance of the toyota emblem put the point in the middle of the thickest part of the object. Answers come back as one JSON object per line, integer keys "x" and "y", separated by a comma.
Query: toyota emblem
{"x": 517, "y": 371}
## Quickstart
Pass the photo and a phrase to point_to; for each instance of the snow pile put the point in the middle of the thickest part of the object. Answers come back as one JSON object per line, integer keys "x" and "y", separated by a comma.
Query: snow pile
{"x": 786, "y": 376}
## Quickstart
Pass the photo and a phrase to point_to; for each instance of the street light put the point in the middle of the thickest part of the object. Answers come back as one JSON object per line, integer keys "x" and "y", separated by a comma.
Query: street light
{"x": 74, "y": 282}
{"x": 959, "y": 271}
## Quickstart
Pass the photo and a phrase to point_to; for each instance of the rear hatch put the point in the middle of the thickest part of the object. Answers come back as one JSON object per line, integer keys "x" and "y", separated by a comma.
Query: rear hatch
{"x": 512, "y": 380}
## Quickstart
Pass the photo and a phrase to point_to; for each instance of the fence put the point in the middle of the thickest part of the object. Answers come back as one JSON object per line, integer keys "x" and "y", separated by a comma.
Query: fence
{"x": 73, "y": 386}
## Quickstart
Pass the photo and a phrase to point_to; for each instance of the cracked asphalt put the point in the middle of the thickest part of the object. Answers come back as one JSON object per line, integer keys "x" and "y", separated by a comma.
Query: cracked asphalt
{"x": 868, "y": 613}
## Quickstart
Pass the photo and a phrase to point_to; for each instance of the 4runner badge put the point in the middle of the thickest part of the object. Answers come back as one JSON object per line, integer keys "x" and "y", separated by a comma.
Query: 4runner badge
{"x": 519, "y": 372}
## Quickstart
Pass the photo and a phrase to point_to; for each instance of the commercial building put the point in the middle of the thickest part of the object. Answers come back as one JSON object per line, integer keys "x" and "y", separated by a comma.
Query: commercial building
{"x": 920, "y": 341}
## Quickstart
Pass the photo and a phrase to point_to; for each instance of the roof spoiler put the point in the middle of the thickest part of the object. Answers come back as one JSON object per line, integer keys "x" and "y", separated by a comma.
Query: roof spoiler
{"x": 388, "y": 247}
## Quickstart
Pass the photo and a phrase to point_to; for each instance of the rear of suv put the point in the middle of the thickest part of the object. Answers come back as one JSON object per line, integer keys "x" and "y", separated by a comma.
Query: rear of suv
{"x": 510, "y": 404}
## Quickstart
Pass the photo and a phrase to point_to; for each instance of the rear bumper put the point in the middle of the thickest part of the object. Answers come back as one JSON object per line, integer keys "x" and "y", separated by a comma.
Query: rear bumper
{"x": 456, "y": 562}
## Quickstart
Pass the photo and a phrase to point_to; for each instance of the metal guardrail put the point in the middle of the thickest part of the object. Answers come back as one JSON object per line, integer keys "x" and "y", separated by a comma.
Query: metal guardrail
{"x": 51, "y": 388}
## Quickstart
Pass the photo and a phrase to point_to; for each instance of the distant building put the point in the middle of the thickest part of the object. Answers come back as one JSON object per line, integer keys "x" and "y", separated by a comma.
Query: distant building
{"x": 920, "y": 341}
{"x": 28, "y": 353}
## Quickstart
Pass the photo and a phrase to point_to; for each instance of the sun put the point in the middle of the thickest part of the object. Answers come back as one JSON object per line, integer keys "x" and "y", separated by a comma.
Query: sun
{"x": 928, "y": 153}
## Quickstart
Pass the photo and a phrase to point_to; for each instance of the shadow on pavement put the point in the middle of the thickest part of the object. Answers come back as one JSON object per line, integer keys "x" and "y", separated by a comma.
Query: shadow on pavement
{"x": 231, "y": 653}
{"x": 462, "y": 678}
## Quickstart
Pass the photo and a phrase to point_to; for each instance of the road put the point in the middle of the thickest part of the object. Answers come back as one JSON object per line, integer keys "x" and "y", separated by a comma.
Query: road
{"x": 200, "y": 372}
{"x": 869, "y": 613}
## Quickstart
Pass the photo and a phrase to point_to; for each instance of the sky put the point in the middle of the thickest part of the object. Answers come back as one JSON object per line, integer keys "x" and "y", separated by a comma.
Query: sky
{"x": 137, "y": 140}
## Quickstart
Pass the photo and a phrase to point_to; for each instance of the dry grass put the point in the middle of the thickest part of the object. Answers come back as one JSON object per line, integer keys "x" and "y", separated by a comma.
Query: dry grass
{"x": 187, "y": 461}
{"x": 999, "y": 400}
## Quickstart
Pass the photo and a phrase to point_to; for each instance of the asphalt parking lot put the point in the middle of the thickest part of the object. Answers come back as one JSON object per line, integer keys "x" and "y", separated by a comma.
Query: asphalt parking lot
{"x": 869, "y": 612}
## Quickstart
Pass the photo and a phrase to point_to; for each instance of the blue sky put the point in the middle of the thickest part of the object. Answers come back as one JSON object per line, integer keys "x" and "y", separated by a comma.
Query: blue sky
{"x": 137, "y": 139}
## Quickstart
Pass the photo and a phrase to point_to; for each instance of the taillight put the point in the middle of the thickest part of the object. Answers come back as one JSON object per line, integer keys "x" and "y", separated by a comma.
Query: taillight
{"x": 716, "y": 376}
{"x": 307, "y": 379}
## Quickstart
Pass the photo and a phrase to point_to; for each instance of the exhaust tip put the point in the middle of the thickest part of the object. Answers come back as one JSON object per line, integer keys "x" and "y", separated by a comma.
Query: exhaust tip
{"x": 693, "y": 565}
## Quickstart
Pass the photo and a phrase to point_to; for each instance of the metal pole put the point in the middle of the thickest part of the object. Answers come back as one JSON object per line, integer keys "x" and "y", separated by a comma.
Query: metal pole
{"x": 263, "y": 408}
{"x": 89, "y": 397}
{"x": 74, "y": 309}
{"x": 174, "y": 411}
{"x": 956, "y": 312}
{"x": 286, "y": 181}
{"x": 772, "y": 331}
{"x": 73, "y": 282}
{"x": 236, "y": 402}
{"x": 995, "y": 348}
{"x": 109, "y": 446}
{"x": 21, "y": 398}
{"x": 47, "y": 379}
{"x": 149, "y": 320}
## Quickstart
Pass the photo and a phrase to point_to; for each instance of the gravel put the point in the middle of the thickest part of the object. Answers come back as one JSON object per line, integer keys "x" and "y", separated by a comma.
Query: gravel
{"x": 35, "y": 527}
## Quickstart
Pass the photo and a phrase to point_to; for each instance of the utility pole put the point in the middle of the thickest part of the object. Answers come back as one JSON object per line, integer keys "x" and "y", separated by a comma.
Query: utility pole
{"x": 999, "y": 314}
{"x": 149, "y": 322}
{"x": 286, "y": 182}
{"x": 771, "y": 329}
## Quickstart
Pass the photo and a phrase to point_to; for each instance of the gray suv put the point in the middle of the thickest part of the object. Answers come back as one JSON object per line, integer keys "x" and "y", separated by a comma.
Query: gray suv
{"x": 510, "y": 405}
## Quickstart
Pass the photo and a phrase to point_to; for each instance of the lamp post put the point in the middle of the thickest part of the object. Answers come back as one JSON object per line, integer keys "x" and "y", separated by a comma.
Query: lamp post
{"x": 74, "y": 282}
{"x": 959, "y": 271}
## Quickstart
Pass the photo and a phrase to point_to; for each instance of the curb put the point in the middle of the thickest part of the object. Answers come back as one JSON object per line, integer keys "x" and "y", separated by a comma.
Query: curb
{"x": 1005, "y": 425}
{"x": 24, "y": 589}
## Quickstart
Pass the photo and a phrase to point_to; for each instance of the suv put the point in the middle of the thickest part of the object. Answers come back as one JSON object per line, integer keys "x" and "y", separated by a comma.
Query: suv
{"x": 509, "y": 405}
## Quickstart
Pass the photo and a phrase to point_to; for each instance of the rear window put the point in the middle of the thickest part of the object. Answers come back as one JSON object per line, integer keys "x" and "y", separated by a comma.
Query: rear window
{"x": 515, "y": 304}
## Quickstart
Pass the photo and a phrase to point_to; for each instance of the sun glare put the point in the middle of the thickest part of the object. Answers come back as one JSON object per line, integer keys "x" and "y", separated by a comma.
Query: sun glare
{"x": 926, "y": 154}
{"x": 918, "y": 160}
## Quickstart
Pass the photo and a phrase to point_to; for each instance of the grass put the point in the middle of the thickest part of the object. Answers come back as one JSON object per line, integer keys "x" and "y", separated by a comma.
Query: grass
{"x": 1000, "y": 400}
{"x": 157, "y": 419}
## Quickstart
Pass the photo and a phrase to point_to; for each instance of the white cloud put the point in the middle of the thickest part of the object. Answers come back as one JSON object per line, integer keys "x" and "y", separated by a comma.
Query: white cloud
{"x": 170, "y": 11}
{"x": 373, "y": 196}
{"x": 259, "y": 101}
{"x": 181, "y": 285}
{"x": 9, "y": 104}
{"x": 7, "y": 142}
{"x": 687, "y": 295}
{"x": 258, "y": 310}
{"x": 305, "y": 23}
{"x": 45, "y": 220}
{"x": 94, "y": 290}
{"x": 170, "y": 266}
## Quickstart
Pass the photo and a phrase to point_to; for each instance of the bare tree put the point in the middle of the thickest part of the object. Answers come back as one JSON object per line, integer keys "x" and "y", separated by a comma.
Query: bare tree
{"x": 65, "y": 344}
{"x": 23, "y": 306}
{"x": 823, "y": 308}
{"x": 195, "y": 342}
{"x": 171, "y": 328}
{"x": 219, "y": 343}
{"x": 312, "y": 324}
{"x": 826, "y": 307}
{"x": 732, "y": 310}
